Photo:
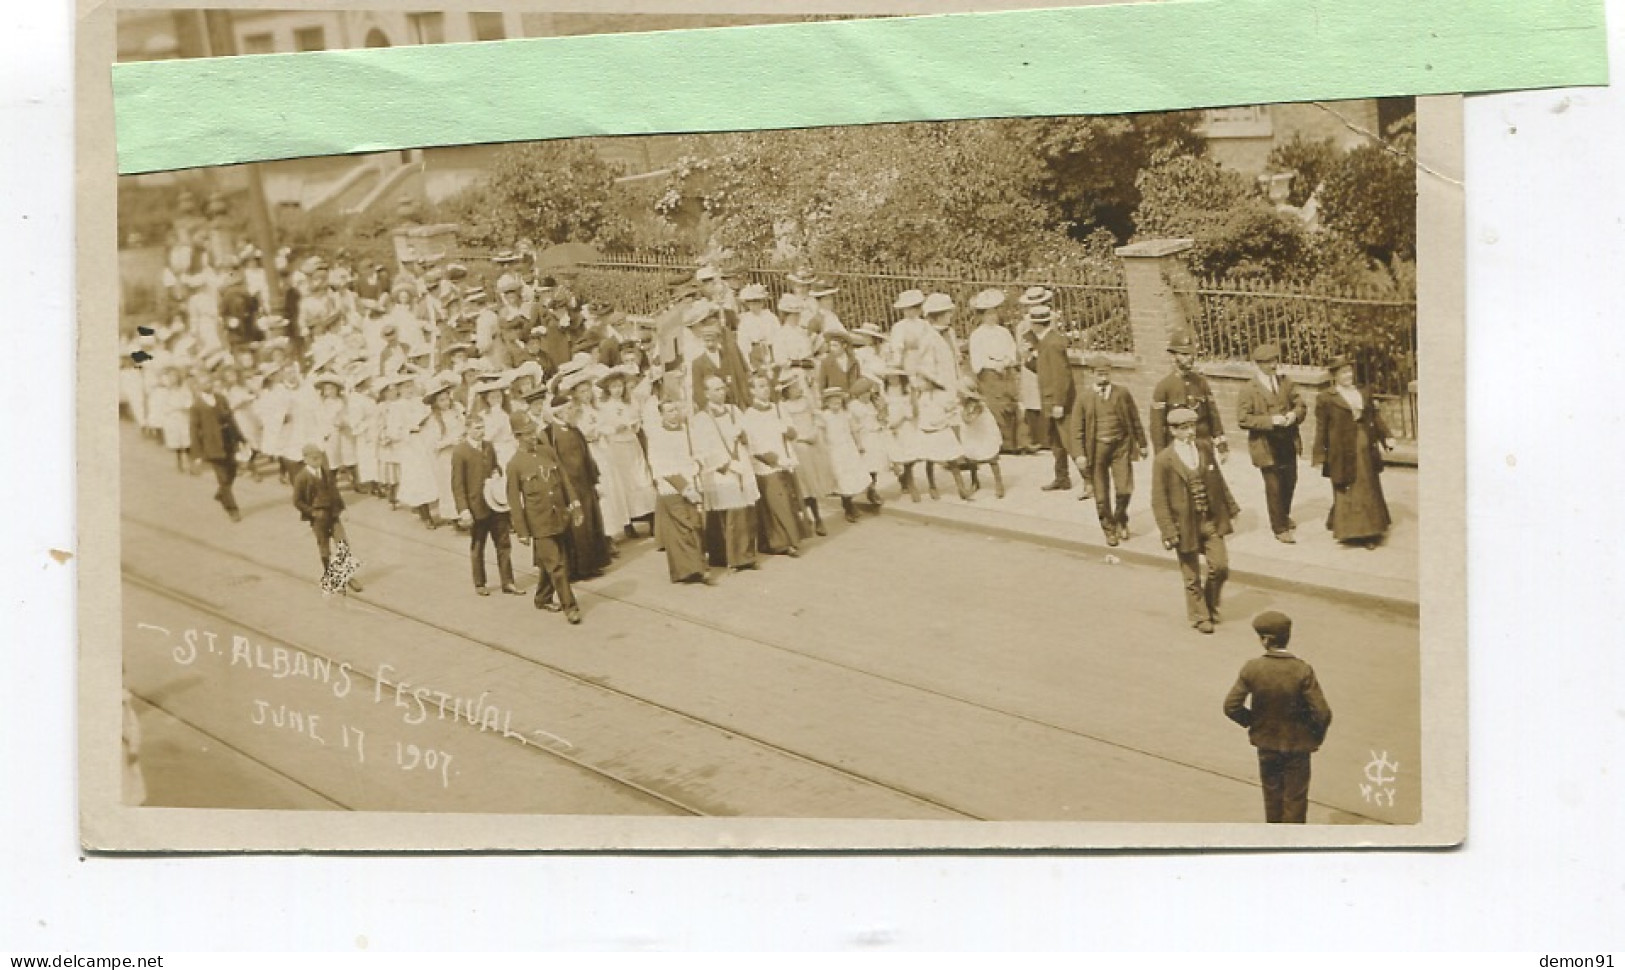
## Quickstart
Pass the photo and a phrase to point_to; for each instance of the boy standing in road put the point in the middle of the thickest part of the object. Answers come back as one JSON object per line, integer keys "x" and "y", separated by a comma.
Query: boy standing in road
{"x": 1286, "y": 721}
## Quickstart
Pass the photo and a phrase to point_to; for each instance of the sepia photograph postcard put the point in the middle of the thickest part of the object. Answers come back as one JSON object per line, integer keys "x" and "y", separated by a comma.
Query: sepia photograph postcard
{"x": 1052, "y": 482}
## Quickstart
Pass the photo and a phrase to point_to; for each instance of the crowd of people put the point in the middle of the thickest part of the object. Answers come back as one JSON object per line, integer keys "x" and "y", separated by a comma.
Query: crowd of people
{"x": 504, "y": 404}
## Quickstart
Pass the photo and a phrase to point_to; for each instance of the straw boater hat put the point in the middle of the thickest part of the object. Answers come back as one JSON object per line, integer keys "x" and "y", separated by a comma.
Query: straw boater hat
{"x": 328, "y": 377}
{"x": 791, "y": 303}
{"x": 1040, "y": 315}
{"x": 1035, "y": 295}
{"x": 908, "y": 298}
{"x": 803, "y": 276}
{"x": 837, "y": 333}
{"x": 938, "y": 303}
{"x": 496, "y": 490}
{"x": 753, "y": 291}
{"x": 437, "y": 385}
{"x": 870, "y": 331}
{"x": 705, "y": 274}
{"x": 505, "y": 257}
{"x": 989, "y": 299}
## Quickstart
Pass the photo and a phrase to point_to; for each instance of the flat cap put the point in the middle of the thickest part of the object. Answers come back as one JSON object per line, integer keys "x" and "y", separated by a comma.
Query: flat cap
{"x": 1273, "y": 624}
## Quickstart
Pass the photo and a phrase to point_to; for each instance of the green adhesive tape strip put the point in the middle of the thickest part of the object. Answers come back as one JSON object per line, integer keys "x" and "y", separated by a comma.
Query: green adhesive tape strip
{"x": 1078, "y": 60}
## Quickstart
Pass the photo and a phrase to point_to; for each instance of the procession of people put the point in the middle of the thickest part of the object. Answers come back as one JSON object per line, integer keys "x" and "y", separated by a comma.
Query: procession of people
{"x": 502, "y": 403}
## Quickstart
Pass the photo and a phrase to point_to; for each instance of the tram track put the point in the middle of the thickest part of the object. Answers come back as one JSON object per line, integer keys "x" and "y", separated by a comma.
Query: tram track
{"x": 724, "y": 629}
{"x": 162, "y": 589}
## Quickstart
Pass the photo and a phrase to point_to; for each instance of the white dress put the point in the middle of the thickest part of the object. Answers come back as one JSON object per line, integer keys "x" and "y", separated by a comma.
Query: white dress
{"x": 871, "y": 435}
{"x": 619, "y": 423}
{"x": 902, "y": 429}
{"x": 980, "y": 437}
{"x": 939, "y": 425}
{"x": 845, "y": 454}
{"x": 616, "y": 517}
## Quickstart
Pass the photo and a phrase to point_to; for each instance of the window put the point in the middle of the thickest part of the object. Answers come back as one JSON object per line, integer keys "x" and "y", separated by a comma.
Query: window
{"x": 310, "y": 39}
{"x": 258, "y": 44}
{"x": 427, "y": 28}
{"x": 487, "y": 26}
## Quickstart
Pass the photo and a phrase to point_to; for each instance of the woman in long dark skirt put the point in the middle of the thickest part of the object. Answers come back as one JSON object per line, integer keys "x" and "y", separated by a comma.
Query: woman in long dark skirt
{"x": 1349, "y": 437}
{"x": 768, "y": 436}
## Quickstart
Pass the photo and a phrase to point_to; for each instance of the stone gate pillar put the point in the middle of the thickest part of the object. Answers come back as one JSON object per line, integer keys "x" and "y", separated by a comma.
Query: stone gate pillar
{"x": 1152, "y": 269}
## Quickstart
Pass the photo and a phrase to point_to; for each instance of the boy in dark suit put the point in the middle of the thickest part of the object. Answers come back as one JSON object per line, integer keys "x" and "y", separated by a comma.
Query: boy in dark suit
{"x": 473, "y": 462}
{"x": 1193, "y": 506}
{"x": 215, "y": 439}
{"x": 1271, "y": 410}
{"x": 1286, "y": 722}
{"x": 1111, "y": 439}
{"x": 316, "y": 496}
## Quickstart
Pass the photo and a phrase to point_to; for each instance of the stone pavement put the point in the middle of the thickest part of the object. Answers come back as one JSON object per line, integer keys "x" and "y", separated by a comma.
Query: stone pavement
{"x": 1386, "y": 576}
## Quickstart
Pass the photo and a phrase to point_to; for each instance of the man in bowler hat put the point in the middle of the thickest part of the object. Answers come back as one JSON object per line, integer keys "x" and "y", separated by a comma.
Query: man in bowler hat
{"x": 1271, "y": 410}
{"x": 1286, "y": 721}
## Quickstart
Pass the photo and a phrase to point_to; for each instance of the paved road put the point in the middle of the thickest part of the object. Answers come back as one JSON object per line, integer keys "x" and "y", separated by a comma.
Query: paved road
{"x": 897, "y": 670}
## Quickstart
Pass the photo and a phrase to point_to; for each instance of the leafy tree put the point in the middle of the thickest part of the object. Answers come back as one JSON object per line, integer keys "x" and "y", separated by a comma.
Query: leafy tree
{"x": 1369, "y": 196}
{"x": 550, "y": 192}
{"x": 1092, "y": 164}
{"x": 898, "y": 195}
{"x": 1309, "y": 158}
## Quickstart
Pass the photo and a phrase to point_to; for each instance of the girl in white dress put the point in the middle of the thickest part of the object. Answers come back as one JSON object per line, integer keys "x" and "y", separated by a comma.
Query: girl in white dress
{"x": 491, "y": 403}
{"x": 393, "y": 413}
{"x": 937, "y": 410}
{"x": 171, "y": 406}
{"x": 867, "y": 410}
{"x": 814, "y": 473}
{"x": 620, "y": 422}
{"x": 845, "y": 450}
{"x": 902, "y": 430}
{"x": 364, "y": 418}
{"x": 982, "y": 440}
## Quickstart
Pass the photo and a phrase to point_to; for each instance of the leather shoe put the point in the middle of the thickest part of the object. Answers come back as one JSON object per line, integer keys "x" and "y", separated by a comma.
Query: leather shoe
{"x": 1111, "y": 537}
{"x": 1286, "y": 537}
{"x": 1059, "y": 485}
{"x": 547, "y": 605}
{"x": 707, "y": 578}
{"x": 793, "y": 552}
{"x": 1206, "y": 626}
{"x": 512, "y": 591}
{"x": 573, "y": 614}
{"x": 482, "y": 591}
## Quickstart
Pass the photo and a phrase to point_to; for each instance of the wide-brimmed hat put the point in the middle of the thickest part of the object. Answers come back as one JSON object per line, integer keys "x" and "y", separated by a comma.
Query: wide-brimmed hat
{"x": 989, "y": 299}
{"x": 706, "y": 274}
{"x": 792, "y": 303}
{"x": 700, "y": 312}
{"x": 753, "y": 291}
{"x": 623, "y": 372}
{"x": 1035, "y": 295}
{"x": 505, "y": 256}
{"x": 437, "y": 385}
{"x": 529, "y": 368}
{"x": 937, "y": 303}
{"x": 824, "y": 288}
{"x": 837, "y": 333}
{"x": 871, "y": 332}
{"x": 328, "y": 377}
{"x": 908, "y": 298}
{"x": 803, "y": 276}
{"x": 508, "y": 283}
{"x": 496, "y": 491}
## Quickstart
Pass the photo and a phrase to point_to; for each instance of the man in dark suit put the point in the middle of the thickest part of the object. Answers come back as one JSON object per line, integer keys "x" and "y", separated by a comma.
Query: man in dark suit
{"x": 543, "y": 506}
{"x": 1056, "y": 393}
{"x": 316, "y": 496}
{"x": 1194, "y": 507}
{"x": 1271, "y": 410}
{"x": 1286, "y": 722}
{"x": 215, "y": 439}
{"x": 1111, "y": 439}
{"x": 473, "y": 463}
{"x": 1185, "y": 388}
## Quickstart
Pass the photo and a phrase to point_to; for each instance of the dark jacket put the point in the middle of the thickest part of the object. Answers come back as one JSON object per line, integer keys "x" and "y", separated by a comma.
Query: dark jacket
{"x": 540, "y": 495}
{"x": 1337, "y": 435}
{"x": 470, "y": 467}
{"x": 1255, "y": 409}
{"x": 1171, "y": 497}
{"x": 1288, "y": 712}
{"x": 1055, "y": 387}
{"x": 1121, "y": 403}
{"x": 215, "y": 435}
{"x": 1181, "y": 390}
{"x": 316, "y": 493}
{"x": 832, "y": 374}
